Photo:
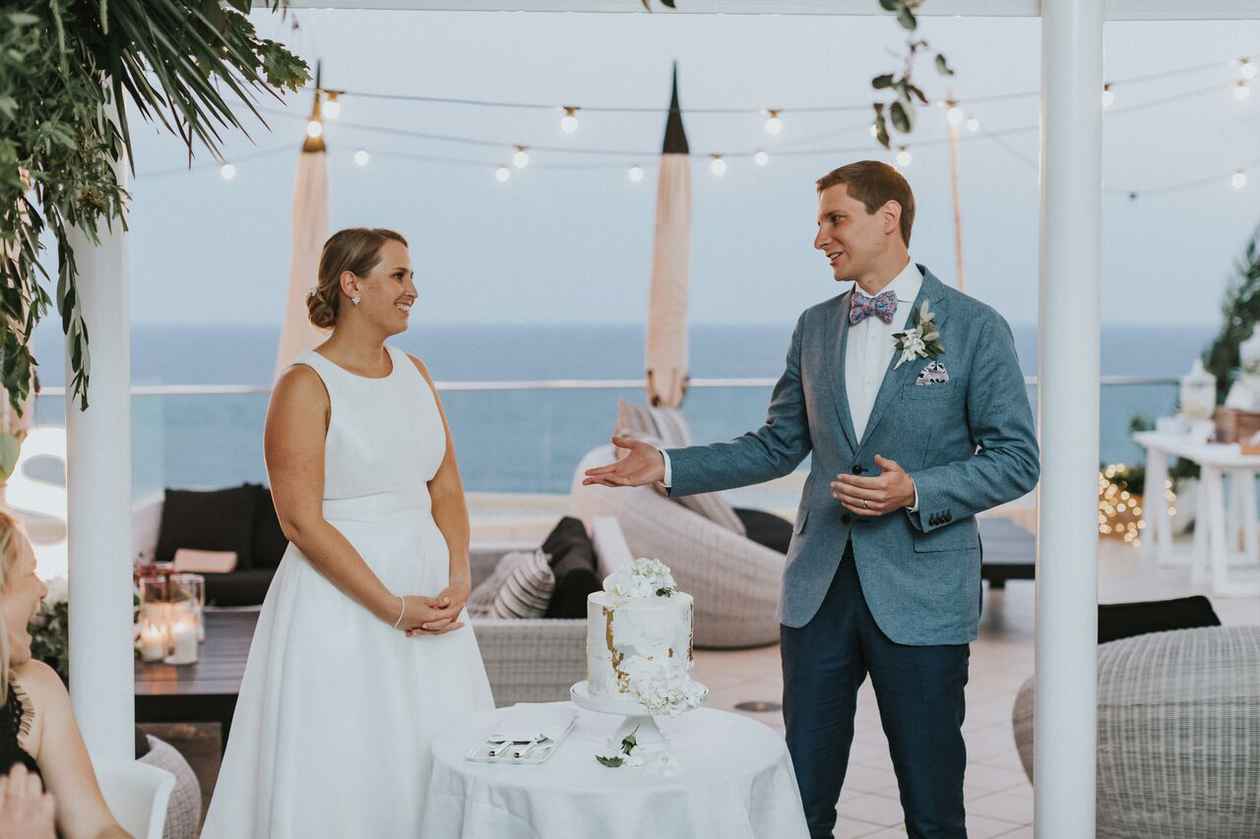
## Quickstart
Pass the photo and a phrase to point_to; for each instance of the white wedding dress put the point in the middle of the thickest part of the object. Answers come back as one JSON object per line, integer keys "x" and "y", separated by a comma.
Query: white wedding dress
{"x": 332, "y": 730}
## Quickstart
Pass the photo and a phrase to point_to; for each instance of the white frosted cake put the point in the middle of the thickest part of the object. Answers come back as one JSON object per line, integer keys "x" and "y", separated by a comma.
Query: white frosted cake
{"x": 638, "y": 641}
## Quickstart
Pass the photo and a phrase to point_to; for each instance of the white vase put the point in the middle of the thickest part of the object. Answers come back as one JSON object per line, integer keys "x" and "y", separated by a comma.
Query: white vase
{"x": 1198, "y": 393}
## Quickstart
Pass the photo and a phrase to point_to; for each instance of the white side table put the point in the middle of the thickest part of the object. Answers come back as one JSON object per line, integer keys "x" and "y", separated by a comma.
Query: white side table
{"x": 1223, "y": 525}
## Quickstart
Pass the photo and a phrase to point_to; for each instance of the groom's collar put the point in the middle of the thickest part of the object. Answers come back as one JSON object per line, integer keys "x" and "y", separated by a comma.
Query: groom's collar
{"x": 905, "y": 285}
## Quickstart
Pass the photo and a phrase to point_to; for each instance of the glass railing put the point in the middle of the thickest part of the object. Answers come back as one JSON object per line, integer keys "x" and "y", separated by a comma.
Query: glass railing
{"x": 523, "y": 437}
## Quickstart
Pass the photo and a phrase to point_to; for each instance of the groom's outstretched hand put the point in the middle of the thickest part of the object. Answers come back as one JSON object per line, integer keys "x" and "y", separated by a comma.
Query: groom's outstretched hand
{"x": 643, "y": 465}
{"x": 878, "y": 496}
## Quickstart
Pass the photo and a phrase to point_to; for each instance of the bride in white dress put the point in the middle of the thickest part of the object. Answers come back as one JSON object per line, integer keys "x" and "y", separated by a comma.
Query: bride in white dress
{"x": 362, "y": 654}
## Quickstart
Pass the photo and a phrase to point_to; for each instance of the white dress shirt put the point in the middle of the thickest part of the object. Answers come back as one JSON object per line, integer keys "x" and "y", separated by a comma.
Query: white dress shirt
{"x": 867, "y": 354}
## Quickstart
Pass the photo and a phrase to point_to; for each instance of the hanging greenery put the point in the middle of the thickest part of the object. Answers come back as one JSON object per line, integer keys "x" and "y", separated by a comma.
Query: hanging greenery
{"x": 70, "y": 70}
{"x": 1241, "y": 312}
{"x": 901, "y": 111}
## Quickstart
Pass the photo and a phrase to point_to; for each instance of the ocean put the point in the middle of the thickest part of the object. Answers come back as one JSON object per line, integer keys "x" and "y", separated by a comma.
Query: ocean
{"x": 525, "y": 440}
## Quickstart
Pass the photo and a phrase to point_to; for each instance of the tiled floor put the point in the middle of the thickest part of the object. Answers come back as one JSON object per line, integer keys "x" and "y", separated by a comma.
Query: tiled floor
{"x": 998, "y": 796}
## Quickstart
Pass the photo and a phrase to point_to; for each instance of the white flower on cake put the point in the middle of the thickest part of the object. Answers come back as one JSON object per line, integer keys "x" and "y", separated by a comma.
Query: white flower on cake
{"x": 662, "y": 689}
{"x": 645, "y": 578}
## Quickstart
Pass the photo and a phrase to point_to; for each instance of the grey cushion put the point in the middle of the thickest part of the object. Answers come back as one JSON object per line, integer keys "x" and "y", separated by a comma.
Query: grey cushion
{"x": 526, "y": 588}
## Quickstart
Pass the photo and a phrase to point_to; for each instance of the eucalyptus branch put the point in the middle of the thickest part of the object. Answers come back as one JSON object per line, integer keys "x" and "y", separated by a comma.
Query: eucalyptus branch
{"x": 901, "y": 111}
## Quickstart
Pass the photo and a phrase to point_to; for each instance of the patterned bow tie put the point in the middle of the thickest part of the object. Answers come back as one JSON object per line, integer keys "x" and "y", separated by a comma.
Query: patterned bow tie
{"x": 882, "y": 306}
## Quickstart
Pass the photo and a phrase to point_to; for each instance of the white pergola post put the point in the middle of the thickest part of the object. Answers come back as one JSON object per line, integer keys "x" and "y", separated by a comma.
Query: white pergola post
{"x": 1065, "y": 731}
{"x": 98, "y": 489}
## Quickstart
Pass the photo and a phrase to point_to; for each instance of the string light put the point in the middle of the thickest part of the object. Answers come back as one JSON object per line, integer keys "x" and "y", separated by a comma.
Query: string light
{"x": 362, "y": 158}
{"x": 1242, "y": 90}
{"x": 717, "y": 166}
{"x": 903, "y": 157}
{"x": 314, "y": 129}
{"x": 1238, "y": 180}
{"x": 774, "y": 123}
{"x": 331, "y": 107}
{"x": 520, "y": 157}
{"x": 1246, "y": 68}
{"x": 569, "y": 122}
{"x": 635, "y": 174}
{"x": 227, "y": 171}
{"x": 1108, "y": 96}
{"x": 874, "y": 130}
{"x": 973, "y": 124}
{"x": 502, "y": 174}
{"x": 761, "y": 158}
{"x": 1119, "y": 510}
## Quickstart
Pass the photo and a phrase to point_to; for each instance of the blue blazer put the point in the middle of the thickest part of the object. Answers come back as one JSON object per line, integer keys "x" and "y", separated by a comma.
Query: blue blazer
{"x": 969, "y": 444}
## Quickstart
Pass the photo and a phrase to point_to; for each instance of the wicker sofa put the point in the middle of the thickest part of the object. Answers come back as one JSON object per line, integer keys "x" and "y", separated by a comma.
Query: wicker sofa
{"x": 1178, "y": 734}
{"x": 735, "y": 581}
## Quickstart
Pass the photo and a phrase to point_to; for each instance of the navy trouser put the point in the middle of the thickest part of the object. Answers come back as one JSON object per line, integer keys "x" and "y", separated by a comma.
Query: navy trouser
{"x": 921, "y": 704}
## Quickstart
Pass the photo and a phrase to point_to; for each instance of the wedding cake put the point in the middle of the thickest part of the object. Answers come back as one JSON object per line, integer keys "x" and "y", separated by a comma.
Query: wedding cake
{"x": 638, "y": 640}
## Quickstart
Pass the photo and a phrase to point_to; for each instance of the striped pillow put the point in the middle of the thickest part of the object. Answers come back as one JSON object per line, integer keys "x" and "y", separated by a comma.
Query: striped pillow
{"x": 526, "y": 588}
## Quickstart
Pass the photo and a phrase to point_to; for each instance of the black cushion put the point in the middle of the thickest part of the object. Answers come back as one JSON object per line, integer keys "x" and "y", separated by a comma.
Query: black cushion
{"x": 1123, "y": 620}
{"x": 268, "y": 542}
{"x": 239, "y": 588}
{"x": 218, "y": 520}
{"x": 766, "y": 528}
{"x": 573, "y": 563}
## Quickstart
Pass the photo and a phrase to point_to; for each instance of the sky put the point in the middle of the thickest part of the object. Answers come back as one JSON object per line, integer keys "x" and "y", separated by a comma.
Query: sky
{"x": 572, "y": 243}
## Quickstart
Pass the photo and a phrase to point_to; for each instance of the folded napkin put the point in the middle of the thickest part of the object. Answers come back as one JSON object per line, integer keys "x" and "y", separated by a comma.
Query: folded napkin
{"x": 531, "y": 720}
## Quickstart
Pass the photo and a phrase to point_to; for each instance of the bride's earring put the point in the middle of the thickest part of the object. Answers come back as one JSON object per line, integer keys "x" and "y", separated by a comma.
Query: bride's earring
{"x": 355, "y": 300}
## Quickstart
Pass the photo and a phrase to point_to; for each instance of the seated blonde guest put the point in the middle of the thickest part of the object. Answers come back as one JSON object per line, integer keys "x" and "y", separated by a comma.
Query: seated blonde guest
{"x": 37, "y": 726}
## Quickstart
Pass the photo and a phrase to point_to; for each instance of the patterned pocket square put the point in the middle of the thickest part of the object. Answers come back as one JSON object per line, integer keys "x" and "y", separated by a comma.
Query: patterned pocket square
{"x": 933, "y": 374}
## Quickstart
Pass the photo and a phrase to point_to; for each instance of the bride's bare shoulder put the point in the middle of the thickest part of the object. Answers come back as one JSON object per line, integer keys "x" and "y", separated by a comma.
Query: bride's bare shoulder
{"x": 300, "y": 382}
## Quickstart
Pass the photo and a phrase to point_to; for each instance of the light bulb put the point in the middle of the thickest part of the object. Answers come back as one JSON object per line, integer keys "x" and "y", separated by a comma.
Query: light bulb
{"x": 502, "y": 174}
{"x": 569, "y": 122}
{"x": 1239, "y": 180}
{"x": 520, "y": 158}
{"x": 717, "y": 166}
{"x": 903, "y": 157}
{"x": 227, "y": 171}
{"x": 1242, "y": 91}
{"x": 973, "y": 124}
{"x": 954, "y": 115}
{"x": 362, "y": 158}
{"x": 1246, "y": 68}
{"x": 761, "y": 158}
{"x": 314, "y": 129}
{"x": 331, "y": 107}
{"x": 635, "y": 174}
{"x": 774, "y": 123}
{"x": 874, "y": 130}
{"x": 1108, "y": 96}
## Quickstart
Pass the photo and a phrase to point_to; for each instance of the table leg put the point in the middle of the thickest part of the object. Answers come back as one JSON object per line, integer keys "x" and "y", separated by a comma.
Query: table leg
{"x": 1251, "y": 525}
{"x": 1157, "y": 542}
{"x": 1199, "y": 546}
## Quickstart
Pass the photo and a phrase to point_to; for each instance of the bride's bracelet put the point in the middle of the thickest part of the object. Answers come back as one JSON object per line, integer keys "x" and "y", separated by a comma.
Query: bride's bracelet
{"x": 402, "y": 611}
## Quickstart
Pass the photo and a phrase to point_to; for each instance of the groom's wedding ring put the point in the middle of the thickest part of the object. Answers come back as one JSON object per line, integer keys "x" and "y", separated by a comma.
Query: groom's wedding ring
{"x": 866, "y": 504}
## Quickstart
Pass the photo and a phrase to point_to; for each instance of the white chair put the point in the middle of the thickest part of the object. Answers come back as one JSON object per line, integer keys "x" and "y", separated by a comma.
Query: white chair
{"x": 137, "y": 794}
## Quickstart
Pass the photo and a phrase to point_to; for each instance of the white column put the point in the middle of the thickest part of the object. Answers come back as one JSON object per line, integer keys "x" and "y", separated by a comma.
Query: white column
{"x": 98, "y": 486}
{"x": 1068, "y": 358}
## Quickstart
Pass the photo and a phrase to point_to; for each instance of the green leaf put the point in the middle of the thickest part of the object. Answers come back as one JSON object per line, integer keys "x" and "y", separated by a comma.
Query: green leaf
{"x": 918, "y": 94}
{"x": 611, "y": 762}
{"x": 907, "y": 19}
{"x": 901, "y": 118}
{"x": 882, "y": 82}
{"x": 10, "y": 447}
{"x": 22, "y": 19}
{"x": 629, "y": 742}
{"x": 890, "y": 5}
{"x": 942, "y": 65}
{"x": 881, "y": 126}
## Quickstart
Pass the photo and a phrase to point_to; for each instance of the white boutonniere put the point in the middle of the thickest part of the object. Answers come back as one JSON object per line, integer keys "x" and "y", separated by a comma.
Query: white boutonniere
{"x": 923, "y": 340}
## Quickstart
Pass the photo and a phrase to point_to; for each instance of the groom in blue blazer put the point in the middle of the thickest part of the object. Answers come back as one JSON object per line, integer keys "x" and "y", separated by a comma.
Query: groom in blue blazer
{"x": 910, "y": 397}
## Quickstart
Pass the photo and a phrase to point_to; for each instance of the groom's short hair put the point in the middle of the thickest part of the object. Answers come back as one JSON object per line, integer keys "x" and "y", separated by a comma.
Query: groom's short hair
{"x": 875, "y": 183}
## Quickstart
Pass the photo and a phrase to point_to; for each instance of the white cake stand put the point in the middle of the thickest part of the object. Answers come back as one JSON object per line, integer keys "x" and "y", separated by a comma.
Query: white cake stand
{"x": 638, "y": 720}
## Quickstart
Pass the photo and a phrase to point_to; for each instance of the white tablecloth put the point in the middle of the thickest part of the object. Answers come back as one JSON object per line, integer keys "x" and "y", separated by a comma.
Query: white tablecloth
{"x": 734, "y": 781}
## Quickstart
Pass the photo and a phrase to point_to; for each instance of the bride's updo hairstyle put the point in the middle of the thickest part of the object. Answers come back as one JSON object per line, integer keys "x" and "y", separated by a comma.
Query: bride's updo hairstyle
{"x": 355, "y": 249}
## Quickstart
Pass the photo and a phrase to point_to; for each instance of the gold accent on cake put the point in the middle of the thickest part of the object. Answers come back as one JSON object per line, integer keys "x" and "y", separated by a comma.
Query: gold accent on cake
{"x": 623, "y": 680}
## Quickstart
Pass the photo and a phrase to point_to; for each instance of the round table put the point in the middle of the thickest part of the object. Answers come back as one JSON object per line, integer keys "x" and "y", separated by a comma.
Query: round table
{"x": 734, "y": 780}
